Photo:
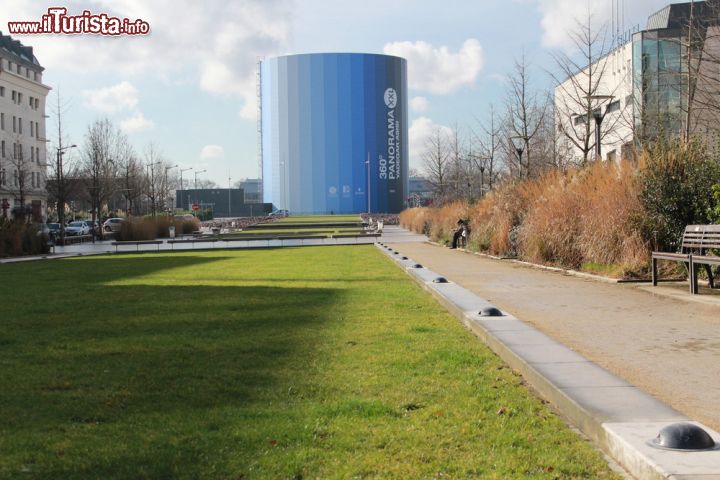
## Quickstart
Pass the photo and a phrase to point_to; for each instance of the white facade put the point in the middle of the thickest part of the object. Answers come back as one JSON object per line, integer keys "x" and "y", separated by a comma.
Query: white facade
{"x": 610, "y": 76}
{"x": 23, "y": 150}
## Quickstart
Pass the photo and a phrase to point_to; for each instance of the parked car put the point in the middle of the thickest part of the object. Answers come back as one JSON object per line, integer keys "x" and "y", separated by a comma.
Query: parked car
{"x": 113, "y": 224}
{"x": 280, "y": 213}
{"x": 78, "y": 227}
{"x": 93, "y": 226}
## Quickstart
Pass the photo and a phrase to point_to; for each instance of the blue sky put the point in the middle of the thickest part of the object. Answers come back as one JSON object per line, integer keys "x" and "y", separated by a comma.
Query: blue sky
{"x": 189, "y": 86}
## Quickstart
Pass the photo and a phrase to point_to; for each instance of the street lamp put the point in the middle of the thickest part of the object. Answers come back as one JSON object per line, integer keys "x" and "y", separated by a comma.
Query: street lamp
{"x": 167, "y": 185}
{"x": 598, "y": 115}
{"x": 61, "y": 190}
{"x": 519, "y": 142}
{"x": 196, "y": 190}
{"x": 367, "y": 163}
{"x": 182, "y": 184}
{"x": 151, "y": 172}
{"x": 229, "y": 189}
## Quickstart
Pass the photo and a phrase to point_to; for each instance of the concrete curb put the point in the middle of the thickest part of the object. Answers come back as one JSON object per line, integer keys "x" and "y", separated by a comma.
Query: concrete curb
{"x": 617, "y": 416}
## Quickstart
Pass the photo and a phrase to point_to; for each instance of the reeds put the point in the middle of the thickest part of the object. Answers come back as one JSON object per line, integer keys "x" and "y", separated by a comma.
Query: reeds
{"x": 585, "y": 216}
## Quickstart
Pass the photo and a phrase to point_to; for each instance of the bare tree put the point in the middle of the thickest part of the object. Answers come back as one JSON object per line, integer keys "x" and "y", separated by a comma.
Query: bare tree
{"x": 62, "y": 168}
{"x": 436, "y": 161}
{"x": 489, "y": 145}
{"x": 23, "y": 178}
{"x": 99, "y": 163}
{"x": 581, "y": 89}
{"x": 525, "y": 114}
{"x": 206, "y": 183}
{"x": 154, "y": 175}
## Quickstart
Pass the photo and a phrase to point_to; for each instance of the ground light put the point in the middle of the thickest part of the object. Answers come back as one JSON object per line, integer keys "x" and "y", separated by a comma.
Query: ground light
{"x": 684, "y": 437}
{"x": 490, "y": 312}
{"x": 440, "y": 280}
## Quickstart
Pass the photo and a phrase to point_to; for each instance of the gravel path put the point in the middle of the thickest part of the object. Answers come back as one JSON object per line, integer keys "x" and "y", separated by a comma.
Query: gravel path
{"x": 661, "y": 341}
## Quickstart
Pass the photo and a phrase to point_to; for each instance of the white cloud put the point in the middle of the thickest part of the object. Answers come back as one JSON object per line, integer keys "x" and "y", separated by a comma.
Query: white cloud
{"x": 561, "y": 17}
{"x": 137, "y": 123}
{"x": 418, "y": 104}
{"x": 216, "y": 44}
{"x": 420, "y": 130}
{"x": 123, "y": 96}
{"x": 211, "y": 152}
{"x": 436, "y": 69}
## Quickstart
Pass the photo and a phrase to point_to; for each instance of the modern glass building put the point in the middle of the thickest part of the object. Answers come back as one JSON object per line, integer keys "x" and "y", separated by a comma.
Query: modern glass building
{"x": 334, "y": 132}
{"x": 663, "y": 56}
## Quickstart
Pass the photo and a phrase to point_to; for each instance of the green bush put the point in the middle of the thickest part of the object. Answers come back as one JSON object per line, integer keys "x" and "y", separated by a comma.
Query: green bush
{"x": 676, "y": 189}
{"x": 714, "y": 213}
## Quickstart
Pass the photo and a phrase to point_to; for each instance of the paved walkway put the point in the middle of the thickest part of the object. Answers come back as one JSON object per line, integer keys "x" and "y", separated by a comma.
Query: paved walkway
{"x": 664, "y": 344}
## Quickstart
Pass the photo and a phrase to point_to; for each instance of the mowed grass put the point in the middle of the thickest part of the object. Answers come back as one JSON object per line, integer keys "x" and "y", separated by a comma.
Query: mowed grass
{"x": 323, "y": 362}
{"x": 320, "y": 218}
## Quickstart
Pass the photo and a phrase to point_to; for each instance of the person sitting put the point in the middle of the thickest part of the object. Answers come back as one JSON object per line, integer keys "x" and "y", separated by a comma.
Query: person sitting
{"x": 461, "y": 232}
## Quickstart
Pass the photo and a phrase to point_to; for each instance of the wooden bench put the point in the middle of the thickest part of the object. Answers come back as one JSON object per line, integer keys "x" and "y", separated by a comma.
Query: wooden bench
{"x": 137, "y": 244}
{"x": 697, "y": 241}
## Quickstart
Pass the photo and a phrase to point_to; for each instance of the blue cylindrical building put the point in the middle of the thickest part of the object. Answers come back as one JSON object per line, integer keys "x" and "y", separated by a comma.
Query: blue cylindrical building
{"x": 332, "y": 124}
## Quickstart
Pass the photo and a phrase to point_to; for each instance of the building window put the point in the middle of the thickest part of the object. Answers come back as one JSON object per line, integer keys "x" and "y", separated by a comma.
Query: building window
{"x": 37, "y": 154}
{"x": 579, "y": 120}
{"x": 2, "y": 146}
{"x": 9, "y": 65}
{"x": 32, "y": 179}
{"x": 14, "y": 124}
{"x": 14, "y": 96}
{"x": 2, "y": 91}
{"x": 613, "y": 106}
{"x": 31, "y": 101}
{"x": 3, "y": 179}
{"x": 36, "y": 76}
{"x": 37, "y": 104}
{"x": 19, "y": 101}
{"x": 37, "y": 130}
{"x": 32, "y": 129}
{"x": 20, "y": 126}
{"x": 32, "y": 154}
{"x": 2, "y": 121}
{"x": 15, "y": 178}
{"x": 18, "y": 68}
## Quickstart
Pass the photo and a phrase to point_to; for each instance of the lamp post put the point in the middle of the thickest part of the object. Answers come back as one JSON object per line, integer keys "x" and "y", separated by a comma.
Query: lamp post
{"x": 61, "y": 190}
{"x": 482, "y": 180}
{"x": 151, "y": 172}
{"x": 167, "y": 185}
{"x": 196, "y": 192}
{"x": 367, "y": 163}
{"x": 229, "y": 189}
{"x": 182, "y": 184}
{"x": 282, "y": 186}
{"x": 598, "y": 115}
{"x": 519, "y": 142}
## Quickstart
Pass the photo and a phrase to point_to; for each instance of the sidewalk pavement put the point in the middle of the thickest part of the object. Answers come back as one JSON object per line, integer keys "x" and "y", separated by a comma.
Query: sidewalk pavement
{"x": 659, "y": 340}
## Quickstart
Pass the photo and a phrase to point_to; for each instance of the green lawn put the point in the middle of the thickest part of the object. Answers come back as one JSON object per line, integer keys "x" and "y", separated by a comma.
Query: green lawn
{"x": 320, "y": 218}
{"x": 323, "y": 362}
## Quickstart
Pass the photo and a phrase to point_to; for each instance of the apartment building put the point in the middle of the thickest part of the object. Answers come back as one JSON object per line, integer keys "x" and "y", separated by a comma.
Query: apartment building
{"x": 23, "y": 144}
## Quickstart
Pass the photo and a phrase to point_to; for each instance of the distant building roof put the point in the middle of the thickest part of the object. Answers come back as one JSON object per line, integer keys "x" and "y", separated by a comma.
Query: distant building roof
{"x": 19, "y": 51}
{"x": 676, "y": 15}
